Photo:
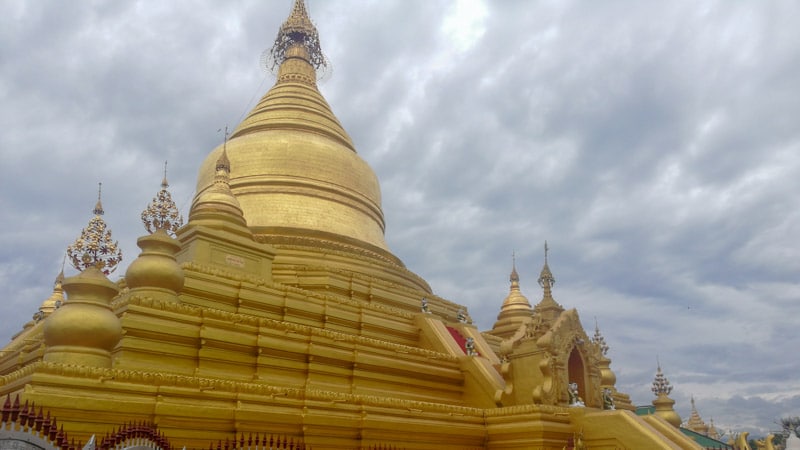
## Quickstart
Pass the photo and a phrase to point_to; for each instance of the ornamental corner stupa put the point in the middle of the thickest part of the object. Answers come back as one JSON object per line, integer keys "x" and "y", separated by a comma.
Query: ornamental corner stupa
{"x": 516, "y": 308}
{"x": 278, "y": 309}
{"x": 663, "y": 403}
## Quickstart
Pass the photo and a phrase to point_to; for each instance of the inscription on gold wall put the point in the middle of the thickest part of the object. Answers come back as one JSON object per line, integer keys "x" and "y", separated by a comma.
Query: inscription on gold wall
{"x": 235, "y": 261}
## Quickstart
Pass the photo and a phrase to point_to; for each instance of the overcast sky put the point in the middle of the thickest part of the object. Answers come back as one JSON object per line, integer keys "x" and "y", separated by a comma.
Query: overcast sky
{"x": 654, "y": 145}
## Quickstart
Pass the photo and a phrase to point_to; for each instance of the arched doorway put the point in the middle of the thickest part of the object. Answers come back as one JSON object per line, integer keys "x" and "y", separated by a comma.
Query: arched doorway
{"x": 576, "y": 372}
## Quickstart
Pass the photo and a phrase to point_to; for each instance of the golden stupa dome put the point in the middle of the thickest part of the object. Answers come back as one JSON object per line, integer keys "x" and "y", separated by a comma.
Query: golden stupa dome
{"x": 516, "y": 308}
{"x": 295, "y": 171}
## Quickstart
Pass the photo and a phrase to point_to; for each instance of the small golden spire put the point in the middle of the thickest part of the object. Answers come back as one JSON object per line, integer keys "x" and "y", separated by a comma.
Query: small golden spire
{"x": 713, "y": 433}
{"x": 297, "y": 31}
{"x": 218, "y": 196}
{"x": 94, "y": 247}
{"x": 223, "y": 168}
{"x": 98, "y": 207}
{"x": 162, "y": 213}
{"x": 164, "y": 183}
{"x": 546, "y": 279}
{"x": 548, "y": 309}
{"x": 598, "y": 339}
{"x": 516, "y": 308}
{"x": 514, "y": 278}
{"x": 55, "y": 300}
{"x": 661, "y": 383}
{"x": 695, "y": 422}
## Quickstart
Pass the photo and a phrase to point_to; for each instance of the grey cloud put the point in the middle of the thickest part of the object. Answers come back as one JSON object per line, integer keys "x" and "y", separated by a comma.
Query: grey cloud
{"x": 653, "y": 144}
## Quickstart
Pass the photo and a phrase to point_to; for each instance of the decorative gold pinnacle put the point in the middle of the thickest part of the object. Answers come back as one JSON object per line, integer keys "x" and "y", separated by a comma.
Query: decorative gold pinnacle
{"x": 661, "y": 383}
{"x": 546, "y": 279}
{"x": 599, "y": 340}
{"x": 514, "y": 277}
{"x": 94, "y": 247}
{"x": 297, "y": 30}
{"x": 162, "y": 213}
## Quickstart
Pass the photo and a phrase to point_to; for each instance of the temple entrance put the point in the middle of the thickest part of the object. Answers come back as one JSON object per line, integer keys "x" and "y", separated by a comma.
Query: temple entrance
{"x": 576, "y": 372}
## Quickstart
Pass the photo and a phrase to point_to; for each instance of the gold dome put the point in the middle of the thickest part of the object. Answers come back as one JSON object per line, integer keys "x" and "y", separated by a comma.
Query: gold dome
{"x": 295, "y": 171}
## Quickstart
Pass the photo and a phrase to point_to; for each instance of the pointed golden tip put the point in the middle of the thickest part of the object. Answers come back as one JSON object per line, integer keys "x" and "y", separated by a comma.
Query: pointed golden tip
{"x": 98, "y": 207}
{"x": 223, "y": 163}
{"x": 164, "y": 183}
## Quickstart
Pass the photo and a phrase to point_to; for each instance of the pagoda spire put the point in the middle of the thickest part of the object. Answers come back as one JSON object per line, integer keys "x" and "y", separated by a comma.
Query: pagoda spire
{"x": 218, "y": 197}
{"x": 599, "y": 340}
{"x": 547, "y": 308}
{"x": 98, "y": 207}
{"x": 695, "y": 422}
{"x": 54, "y": 301}
{"x": 297, "y": 37}
{"x": 546, "y": 279}
{"x": 607, "y": 377}
{"x": 516, "y": 308}
{"x": 514, "y": 277}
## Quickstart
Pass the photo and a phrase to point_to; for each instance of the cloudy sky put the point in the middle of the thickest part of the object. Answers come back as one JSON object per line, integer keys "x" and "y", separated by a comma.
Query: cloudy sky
{"x": 654, "y": 145}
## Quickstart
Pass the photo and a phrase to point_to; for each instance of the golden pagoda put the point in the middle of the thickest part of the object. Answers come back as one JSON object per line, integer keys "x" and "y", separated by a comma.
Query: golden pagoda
{"x": 278, "y": 307}
{"x": 696, "y": 423}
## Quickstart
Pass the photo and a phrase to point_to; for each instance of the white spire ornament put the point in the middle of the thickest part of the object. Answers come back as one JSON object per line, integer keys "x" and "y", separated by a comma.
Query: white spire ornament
{"x": 162, "y": 213}
{"x": 95, "y": 247}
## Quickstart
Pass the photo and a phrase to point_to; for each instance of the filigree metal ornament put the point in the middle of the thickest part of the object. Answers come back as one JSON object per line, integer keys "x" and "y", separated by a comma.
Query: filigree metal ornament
{"x": 297, "y": 29}
{"x": 661, "y": 384}
{"x": 94, "y": 247}
{"x": 162, "y": 213}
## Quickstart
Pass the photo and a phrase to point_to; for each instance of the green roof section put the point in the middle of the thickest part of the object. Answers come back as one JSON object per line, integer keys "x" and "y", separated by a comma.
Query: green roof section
{"x": 701, "y": 439}
{"x": 705, "y": 441}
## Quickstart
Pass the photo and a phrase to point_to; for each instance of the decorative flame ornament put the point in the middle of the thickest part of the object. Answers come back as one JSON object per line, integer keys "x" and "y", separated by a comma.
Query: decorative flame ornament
{"x": 661, "y": 384}
{"x": 94, "y": 247}
{"x": 162, "y": 213}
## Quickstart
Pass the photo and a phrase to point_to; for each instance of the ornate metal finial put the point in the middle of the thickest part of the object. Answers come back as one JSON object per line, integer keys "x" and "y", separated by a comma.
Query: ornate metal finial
{"x": 297, "y": 30}
{"x": 94, "y": 247}
{"x": 162, "y": 213}
{"x": 598, "y": 339}
{"x": 98, "y": 208}
{"x": 223, "y": 166}
{"x": 661, "y": 383}
{"x": 546, "y": 279}
{"x": 164, "y": 182}
{"x": 514, "y": 278}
